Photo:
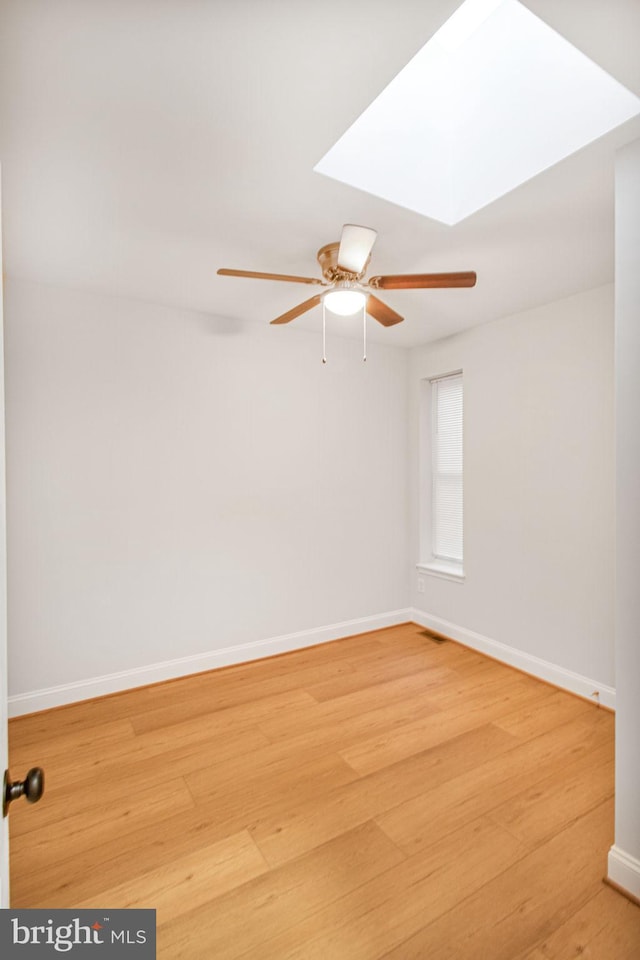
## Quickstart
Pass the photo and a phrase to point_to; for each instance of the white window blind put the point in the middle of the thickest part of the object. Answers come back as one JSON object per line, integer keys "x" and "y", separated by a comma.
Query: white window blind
{"x": 446, "y": 468}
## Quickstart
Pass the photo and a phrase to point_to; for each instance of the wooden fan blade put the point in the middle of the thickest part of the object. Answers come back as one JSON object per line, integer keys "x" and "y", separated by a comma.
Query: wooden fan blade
{"x": 223, "y": 272}
{"x": 356, "y": 244}
{"x": 381, "y": 312}
{"x": 411, "y": 281}
{"x": 301, "y": 308}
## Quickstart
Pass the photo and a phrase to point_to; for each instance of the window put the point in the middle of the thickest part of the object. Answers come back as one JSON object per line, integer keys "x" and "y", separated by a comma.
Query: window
{"x": 446, "y": 454}
{"x": 442, "y": 478}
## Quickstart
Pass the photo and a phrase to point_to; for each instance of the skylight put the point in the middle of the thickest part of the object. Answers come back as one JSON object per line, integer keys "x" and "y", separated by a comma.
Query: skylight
{"x": 494, "y": 98}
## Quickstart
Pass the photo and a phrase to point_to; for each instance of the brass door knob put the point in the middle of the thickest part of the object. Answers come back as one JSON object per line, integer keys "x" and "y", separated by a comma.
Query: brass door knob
{"x": 32, "y": 787}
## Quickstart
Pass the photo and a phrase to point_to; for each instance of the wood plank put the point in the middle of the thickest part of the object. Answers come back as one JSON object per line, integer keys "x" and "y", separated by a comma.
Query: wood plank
{"x": 368, "y": 675}
{"x": 144, "y": 759}
{"x": 441, "y": 808}
{"x": 288, "y": 833}
{"x": 523, "y": 904}
{"x": 234, "y": 691}
{"x": 75, "y": 793}
{"x": 382, "y": 911}
{"x": 244, "y": 921}
{"x": 553, "y": 803}
{"x": 465, "y": 714}
{"x": 342, "y": 728}
{"x": 484, "y": 684}
{"x": 559, "y": 708}
{"x": 394, "y": 693}
{"x": 184, "y": 884}
{"x": 102, "y": 820}
{"x": 607, "y": 927}
{"x": 56, "y": 748}
{"x": 269, "y": 792}
{"x": 87, "y": 873}
{"x": 291, "y": 704}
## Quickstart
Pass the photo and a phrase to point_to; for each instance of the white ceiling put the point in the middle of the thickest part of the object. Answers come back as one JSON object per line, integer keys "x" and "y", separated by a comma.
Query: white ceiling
{"x": 145, "y": 143}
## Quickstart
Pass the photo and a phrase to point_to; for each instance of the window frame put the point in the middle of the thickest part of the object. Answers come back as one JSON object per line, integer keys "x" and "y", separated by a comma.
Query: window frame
{"x": 430, "y": 563}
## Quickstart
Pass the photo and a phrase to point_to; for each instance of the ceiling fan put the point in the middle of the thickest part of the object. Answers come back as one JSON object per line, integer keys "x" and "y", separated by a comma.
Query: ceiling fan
{"x": 343, "y": 266}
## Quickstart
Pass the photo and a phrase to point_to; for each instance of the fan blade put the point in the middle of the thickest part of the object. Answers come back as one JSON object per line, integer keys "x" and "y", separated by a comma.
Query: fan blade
{"x": 356, "y": 244}
{"x": 301, "y": 308}
{"x": 381, "y": 312}
{"x": 266, "y": 276}
{"x": 411, "y": 281}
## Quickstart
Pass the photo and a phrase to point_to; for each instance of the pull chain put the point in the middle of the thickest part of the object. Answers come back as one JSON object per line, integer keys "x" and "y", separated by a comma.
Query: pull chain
{"x": 364, "y": 329}
{"x": 324, "y": 333}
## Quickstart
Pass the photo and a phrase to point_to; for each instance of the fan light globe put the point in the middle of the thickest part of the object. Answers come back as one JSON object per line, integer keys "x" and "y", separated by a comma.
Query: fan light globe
{"x": 344, "y": 302}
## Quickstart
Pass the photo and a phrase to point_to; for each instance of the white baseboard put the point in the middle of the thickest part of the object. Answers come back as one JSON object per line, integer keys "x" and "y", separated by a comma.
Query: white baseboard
{"x": 58, "y": 696}
{"x": 44, "y": 699}
{"x": 624, "y": 871}
{"x": 542, "y": 669}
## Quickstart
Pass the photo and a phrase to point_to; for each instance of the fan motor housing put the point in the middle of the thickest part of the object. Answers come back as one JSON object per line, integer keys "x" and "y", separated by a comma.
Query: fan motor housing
{"x": 328, "y": 259}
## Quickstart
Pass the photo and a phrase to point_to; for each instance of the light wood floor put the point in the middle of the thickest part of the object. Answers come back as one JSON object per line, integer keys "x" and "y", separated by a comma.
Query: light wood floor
{"x": 383, "y": 796}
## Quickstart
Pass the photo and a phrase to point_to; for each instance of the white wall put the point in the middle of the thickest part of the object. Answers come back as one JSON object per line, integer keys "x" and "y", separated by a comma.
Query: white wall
{"x": 184, "y": 486}
{"x": 539, "y": 491}
{"x": 180, "y": 483}
{"x": 624, "y": 858}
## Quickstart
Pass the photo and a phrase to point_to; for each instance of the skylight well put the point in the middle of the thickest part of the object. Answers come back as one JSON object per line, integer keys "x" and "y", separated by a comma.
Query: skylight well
{"x": 494, "y": 98}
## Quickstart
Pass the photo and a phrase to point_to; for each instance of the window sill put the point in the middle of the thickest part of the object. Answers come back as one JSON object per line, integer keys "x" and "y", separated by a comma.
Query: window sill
{"x": 443, "y": 569}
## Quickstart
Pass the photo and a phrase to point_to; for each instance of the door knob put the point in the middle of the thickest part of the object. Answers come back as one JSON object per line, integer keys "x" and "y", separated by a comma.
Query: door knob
{"x": 32, "y": 787}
